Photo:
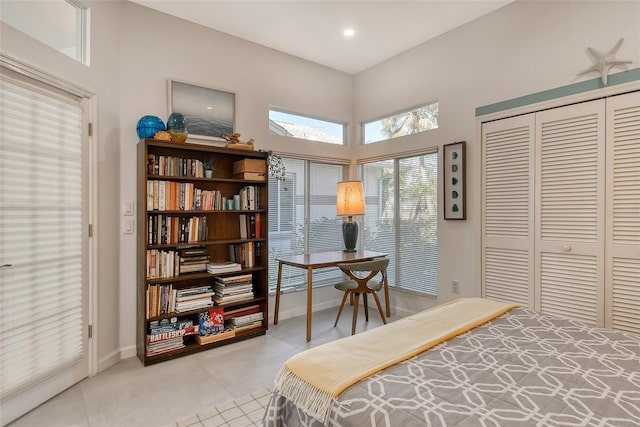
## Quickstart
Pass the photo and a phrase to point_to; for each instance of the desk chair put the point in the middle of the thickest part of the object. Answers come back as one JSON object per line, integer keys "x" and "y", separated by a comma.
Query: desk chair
{"x": 361, "y": 275}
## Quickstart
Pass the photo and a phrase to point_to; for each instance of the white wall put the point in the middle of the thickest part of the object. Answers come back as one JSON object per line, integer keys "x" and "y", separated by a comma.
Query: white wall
{"x": 523, "y": 48}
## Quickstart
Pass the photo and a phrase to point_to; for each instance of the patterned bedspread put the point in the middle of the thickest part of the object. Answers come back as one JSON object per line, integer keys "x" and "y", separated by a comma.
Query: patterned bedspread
{"x": 521, "y": 369}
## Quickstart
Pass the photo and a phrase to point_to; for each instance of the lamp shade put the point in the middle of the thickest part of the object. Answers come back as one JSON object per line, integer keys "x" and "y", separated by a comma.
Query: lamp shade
{"x": 350, "y": 198}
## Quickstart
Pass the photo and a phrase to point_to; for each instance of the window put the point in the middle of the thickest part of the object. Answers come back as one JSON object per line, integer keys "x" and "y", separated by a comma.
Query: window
{"x": 409, "y": 122}
{"x": 303, "y": 127}
{"x": 59, "y": 24}
{"x": 302, "y": 218}
{"x": 401, "y": 197}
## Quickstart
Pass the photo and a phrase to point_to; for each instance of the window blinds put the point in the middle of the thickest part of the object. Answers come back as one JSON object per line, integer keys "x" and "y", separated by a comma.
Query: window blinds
{"x": 401, "y": 197}
{"x": 41, "y": 224}
{"x": 302, "y": 218}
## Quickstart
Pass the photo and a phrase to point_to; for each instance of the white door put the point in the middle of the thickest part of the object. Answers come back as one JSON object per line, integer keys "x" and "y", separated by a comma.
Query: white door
{"x": 623, "y": 212}
{"x": 569, "y": 206}
{"x": 507, "y": 217}
{"x": 43, "y": 243}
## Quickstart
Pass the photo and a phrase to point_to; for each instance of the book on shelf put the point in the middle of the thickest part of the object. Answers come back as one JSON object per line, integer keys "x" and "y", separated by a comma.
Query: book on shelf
{"x": 233, "y": 288}
{"x": 161, "y": 264}
{"x": 242, "y": 218}
{"x": 237, "y": 278}
{"x": 164, "y": 325}
{"x": 168, "y": 334}
{"x": 193, "y": 259}
{"x": 226, "y": 299}
{"x": 247, "y": 319}
{"x": 177, "y": 333}
{"x": 165, "y": 229}
{"x": 155, "y": 349}
{"x": 217, "y": 267}
{"x": 243, "y": 254}
{"x": 242, "y": 311}
{"x": 211, "y": 321}
{"x": 185, "y": 196}
{"x": 160, "y": 299}
{"x": 221, "y": 290}
{"x": 253, "y": 325}
{"x": 258, "y": 225}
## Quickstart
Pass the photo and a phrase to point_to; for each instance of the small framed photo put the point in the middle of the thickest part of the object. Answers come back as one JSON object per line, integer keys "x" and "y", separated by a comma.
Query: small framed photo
{"x": 454, "y": 158}
{"x": 209, "y": 113}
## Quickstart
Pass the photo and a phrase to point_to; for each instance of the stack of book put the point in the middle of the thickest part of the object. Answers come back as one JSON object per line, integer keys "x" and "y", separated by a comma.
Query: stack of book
{"x": 218, "y": 267}
{"x": 193, "y": 298}
{"x": 193, "y": 259}
{"x": 244, "y": 318}
{"x": 167, "y": 335}
{"x": 233, "y": 289}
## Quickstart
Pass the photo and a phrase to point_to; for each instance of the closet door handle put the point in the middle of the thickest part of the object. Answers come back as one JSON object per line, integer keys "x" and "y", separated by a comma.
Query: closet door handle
{"x": 566, "y": 248}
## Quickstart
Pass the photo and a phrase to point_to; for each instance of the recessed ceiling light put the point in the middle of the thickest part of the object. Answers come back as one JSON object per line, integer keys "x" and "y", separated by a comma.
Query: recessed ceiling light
{"x": 349, "y": 32}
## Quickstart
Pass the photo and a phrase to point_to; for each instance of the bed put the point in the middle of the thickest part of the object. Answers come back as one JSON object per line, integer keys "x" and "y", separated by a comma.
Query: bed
{"x": 521, "y": 368}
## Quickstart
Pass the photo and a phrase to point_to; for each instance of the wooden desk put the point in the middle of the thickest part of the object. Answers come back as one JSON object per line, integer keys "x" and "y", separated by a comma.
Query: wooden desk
{"x": 322, "y": 260}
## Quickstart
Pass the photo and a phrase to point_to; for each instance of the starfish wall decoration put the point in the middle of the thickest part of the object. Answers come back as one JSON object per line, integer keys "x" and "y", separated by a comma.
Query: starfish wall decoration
{"x": 602, "y": 62}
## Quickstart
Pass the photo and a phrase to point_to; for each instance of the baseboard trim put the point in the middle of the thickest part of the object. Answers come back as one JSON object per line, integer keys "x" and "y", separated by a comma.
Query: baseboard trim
{"x": 109, "y": 360}
{"x": 127, "y": 352}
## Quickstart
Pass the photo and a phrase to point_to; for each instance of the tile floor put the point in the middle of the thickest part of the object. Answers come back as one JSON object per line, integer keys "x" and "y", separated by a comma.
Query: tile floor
{"x": 130, "y": 395}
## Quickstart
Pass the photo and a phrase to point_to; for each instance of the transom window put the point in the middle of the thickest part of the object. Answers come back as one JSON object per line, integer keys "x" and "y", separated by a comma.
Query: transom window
{"x": 304, "y": 127}
{"x": 417, "y": 120}
{"x": 60, "y": 24}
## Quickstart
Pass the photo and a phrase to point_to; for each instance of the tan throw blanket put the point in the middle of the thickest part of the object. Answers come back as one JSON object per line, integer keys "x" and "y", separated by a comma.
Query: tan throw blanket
{"x": 316, "y": 377}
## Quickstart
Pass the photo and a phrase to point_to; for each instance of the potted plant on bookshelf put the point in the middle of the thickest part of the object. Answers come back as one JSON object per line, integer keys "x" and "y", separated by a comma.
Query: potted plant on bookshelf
{"x": 209, "y": 167}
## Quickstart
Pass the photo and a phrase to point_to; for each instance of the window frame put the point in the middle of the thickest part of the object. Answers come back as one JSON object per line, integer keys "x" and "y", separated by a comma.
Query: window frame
{"x": 363, "y": 125}
{"x": 308, "y": 117}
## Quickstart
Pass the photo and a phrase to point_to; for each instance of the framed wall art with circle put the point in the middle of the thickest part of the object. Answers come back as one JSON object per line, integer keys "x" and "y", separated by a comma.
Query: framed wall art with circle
{"x": 454, "y": 178}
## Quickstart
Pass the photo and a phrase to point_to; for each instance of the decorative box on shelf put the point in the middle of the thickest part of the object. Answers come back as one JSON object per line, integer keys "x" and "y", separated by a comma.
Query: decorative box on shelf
{"x": 250, "y": 165}
{"x": 250, "y": 169}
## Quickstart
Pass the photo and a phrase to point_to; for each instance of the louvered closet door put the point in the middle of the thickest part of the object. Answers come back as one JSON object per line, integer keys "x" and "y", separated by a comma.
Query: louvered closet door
{"x": 569, "y": 207}
{"x": 623, "y": 212}
{"x": 507, "y": 217}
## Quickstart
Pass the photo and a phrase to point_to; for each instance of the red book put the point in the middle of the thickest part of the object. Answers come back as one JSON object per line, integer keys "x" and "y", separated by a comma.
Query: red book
{"x": 258, "y": 226}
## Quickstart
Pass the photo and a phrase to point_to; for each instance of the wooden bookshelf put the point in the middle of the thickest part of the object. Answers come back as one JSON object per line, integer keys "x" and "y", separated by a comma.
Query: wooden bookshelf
{"x": 221, "y": 231}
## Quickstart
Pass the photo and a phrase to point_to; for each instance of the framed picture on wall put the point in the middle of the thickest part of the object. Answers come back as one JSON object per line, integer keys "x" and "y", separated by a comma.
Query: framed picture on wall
{"x": 209, "y": 113}
{"x": 454, "y": 178}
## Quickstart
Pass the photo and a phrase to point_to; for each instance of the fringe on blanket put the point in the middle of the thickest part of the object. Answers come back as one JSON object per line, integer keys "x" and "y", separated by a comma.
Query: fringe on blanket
{"x": 313, "y": 401}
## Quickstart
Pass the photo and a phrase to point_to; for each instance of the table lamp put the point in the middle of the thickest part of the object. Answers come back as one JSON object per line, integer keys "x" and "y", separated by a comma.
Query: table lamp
{"x": 350, "y": 202}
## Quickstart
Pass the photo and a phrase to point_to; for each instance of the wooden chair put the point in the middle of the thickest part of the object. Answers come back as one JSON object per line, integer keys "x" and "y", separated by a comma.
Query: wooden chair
{"x": 361, "y": 281}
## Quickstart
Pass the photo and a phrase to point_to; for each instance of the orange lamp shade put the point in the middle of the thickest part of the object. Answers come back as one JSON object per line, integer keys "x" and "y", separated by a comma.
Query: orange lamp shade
{"x": 350, "y": 198}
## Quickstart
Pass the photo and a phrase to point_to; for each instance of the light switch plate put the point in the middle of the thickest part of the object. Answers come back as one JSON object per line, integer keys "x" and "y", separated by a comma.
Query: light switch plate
{"x": 127, "y": 208}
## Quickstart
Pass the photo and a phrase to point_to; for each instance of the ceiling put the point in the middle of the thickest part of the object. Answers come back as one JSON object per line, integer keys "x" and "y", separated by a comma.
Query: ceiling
{"x": 313, "y": 30}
